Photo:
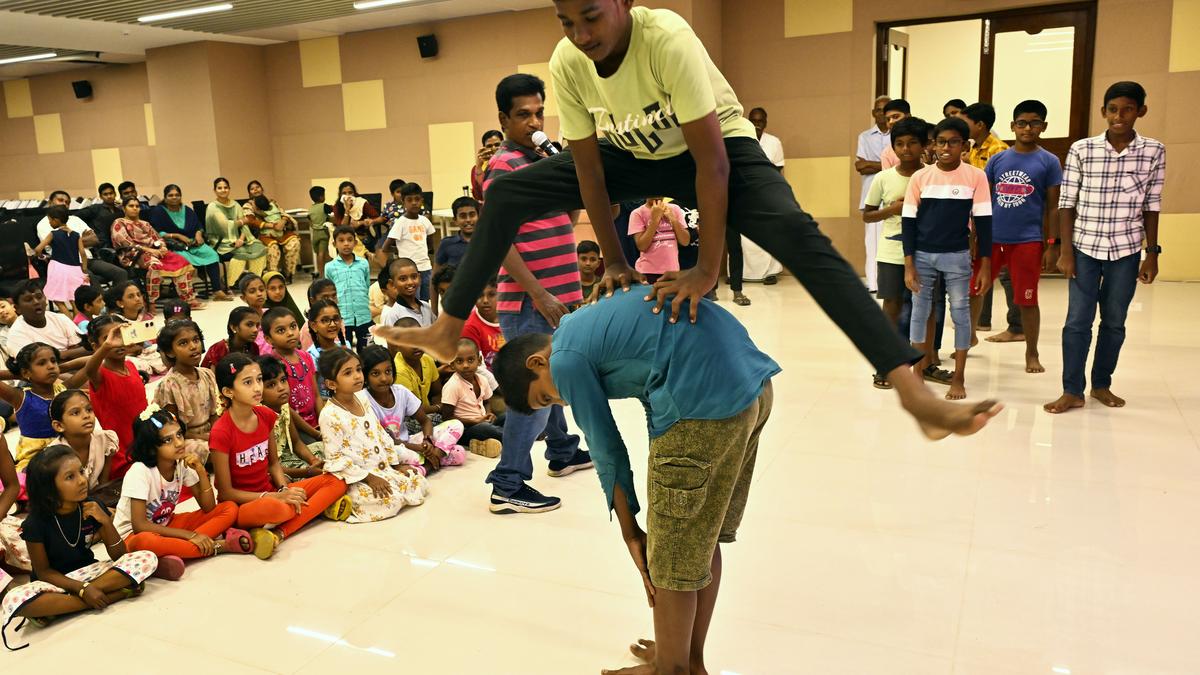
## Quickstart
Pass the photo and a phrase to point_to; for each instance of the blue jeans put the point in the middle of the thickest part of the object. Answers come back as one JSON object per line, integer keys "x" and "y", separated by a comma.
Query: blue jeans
{"x": 426, "y": 276}
{"x": 520, "y": 431}
{"x": 939, "y": 313}
{"x": 955, "y": 268}
{"x": 1109, "y": 284}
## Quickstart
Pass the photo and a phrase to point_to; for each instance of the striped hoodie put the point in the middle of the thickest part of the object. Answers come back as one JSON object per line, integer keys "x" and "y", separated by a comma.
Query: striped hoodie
{"x": 547, "y": 246}
{"x": 939, "y": 207}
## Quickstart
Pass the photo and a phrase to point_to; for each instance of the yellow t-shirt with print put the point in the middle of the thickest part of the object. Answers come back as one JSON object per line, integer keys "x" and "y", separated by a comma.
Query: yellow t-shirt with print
{"x": 665, "y": 81}
{"x": 418, "y": 383}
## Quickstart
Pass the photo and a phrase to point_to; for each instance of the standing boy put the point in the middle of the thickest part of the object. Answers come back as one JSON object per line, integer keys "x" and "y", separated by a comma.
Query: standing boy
{"x": 411, "y": 234}
{"x": 452, "y": 249}
{"x": 1111, "y": 195}
{"x": 589, "y": 263}
{"x": 883, "y": 206}
{"x": 871, "y": 144}
{"x": 673, "y": 124}
{"x": 939, "y": 206}
{"x": 1024, "y": 180}
{"x": 351, "y": 276}
{"x": 893, "y": 111}
{"x": 318, "y": 226}
{"x": 539, "y": 281}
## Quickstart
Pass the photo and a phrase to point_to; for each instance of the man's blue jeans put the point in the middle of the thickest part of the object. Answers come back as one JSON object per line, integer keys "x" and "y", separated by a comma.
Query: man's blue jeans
{"x": 1109, "y": 284}
{"x": 520, "y": 431}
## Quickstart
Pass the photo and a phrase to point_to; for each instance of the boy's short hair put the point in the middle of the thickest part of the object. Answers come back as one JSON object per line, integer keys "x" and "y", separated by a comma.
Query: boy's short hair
{"x": 410, "y": 189}
{"x": 897, "y": 104}
{"x": 1126, "y": 89}
{"x": 511, "y": 372}
{"x": 396, "y": 184}
{"x": 465, "y": 342}
{"x": 105, "y": 186}
{"x": 911, "y": 126}
{"x": 519, "y": 84}
{"x": 262, "y": 203}
{"x": 271, "y": 367}
{"x": 954, "y": 124}
{"x": 463, "y": 202}
{"x": 28, "y": 286}
{"x": 407, "y": 322}
{"x": 1030, "y": 106}
{"x": 344, "y": 229}
{"x": 86, "y": 295}
{"x": 490, "y": 133}
{"x": 388, "y": 271}
{"x": 57, "y": 212}
{"x": 56, "y": 193}
{"x": 125, "y": 185}
{"x": 492, "y": 282}
{"x": 587, "y": 246}
{"x": 444, "y": 275}
{"x": 956, "y": 102}
{"x": 316, "y": 193}
{"x": 982, "y": 113}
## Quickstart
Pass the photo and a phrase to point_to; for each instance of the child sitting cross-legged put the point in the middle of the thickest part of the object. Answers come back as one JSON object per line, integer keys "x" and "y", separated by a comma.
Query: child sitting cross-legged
{"x": 394, "y": 406}
{"x": 150, "y": 493}
{"x": 63, "y": 524}
{"x": 464, "y": 398}
{"x": 380, "y": 479}
{"x": 299, "y": 459}
{"x": 245, "y": 461}
{"x": 188, "y": 391}
{"x": 283, "y": 334}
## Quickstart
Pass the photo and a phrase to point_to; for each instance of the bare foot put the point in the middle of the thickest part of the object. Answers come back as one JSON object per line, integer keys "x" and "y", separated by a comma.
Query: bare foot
{"x": 974, "y": 340}
{"x": 937, "y": 417}
{"x": 1063, "y": 404}
{"x": 1006, "y": 336}
{"x": 439, "y": 340}
{"x": 1108, "y": 398}
{"x": 644, "y": 650}
{"x": 643, "y": 669}
{"x": 958, "y": 390}
{"x": 1033, "y": 364}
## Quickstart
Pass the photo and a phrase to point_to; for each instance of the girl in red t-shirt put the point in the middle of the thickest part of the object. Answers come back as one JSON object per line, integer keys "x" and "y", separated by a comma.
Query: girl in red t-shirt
{"x": 116, "y": 388}
{"x": 243, "y": 327}
{"x": 247, "y": 467}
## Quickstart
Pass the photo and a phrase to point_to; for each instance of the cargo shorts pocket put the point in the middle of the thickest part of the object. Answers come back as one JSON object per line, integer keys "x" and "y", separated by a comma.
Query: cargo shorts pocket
{"x": 679, "y": 486}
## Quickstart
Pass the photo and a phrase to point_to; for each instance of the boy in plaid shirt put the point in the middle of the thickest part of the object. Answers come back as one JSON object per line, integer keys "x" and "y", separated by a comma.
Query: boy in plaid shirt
{"x": 1111, "y": 195}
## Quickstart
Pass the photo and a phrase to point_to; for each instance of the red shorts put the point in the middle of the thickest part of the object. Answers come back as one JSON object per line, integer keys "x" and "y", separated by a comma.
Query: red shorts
{"x": 1024, "y": 262}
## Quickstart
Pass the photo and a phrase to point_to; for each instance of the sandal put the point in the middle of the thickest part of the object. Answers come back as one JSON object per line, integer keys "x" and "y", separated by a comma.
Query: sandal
{"x": 238, "y": 541}
{"x": 739, "y": 299}
{"x": 938, "y": 375}
{"x": 133, "y": 592}
{"x": 880, "y": 382}
{"x": 264, "y": 542}
{"x": 339, "y": 510}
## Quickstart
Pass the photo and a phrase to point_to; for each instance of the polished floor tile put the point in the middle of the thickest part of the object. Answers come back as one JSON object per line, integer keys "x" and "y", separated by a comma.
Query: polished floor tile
{"x": 1046, "y": 544}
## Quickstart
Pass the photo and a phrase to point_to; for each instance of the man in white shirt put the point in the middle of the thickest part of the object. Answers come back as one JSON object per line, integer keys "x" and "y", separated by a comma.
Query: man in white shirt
{"x": 771, "y": 144}
{"x": 773, "y": 148}
{"x": 866, "y": 162}
{"x": 98, "y": 268}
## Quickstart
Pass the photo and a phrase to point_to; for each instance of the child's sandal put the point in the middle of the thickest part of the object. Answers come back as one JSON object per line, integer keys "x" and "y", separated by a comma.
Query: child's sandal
{"x": 339, "y": 510}
{"x": 238, "y": 541}
{"x": 265, "y": 542}
{"x": 133, "y": 591}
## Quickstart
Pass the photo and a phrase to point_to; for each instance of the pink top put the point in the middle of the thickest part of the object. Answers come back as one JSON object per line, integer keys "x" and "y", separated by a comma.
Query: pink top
{"x": 300, "y": 379}
{"x": 663, "y": 254}
{"x": 461, "y": 394}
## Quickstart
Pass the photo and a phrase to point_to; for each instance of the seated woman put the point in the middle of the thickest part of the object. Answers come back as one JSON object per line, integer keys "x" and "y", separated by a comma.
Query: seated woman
{"x": 179, "y": 227}
{"x": 358, "y": 213}
{"x": 226, "y": 228}
{"x": 138, "y": 245}
{"x": 277, "y": 232}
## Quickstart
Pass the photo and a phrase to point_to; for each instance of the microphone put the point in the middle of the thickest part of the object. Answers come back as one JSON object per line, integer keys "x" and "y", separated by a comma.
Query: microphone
{"x": 541, "y": 140}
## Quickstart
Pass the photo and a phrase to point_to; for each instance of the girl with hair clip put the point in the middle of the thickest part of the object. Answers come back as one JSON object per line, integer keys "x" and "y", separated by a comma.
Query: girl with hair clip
{"x": 37, "y": 364}
{"x": 321, "y": 289}
{"x": 62, "y": 525}
{"x": 380, "y": 479}
{"x": 152, "y": 489}
{"x": 246, "y": 464}
{"x": 188, "y": 391}
{"x": 242, "y": 328}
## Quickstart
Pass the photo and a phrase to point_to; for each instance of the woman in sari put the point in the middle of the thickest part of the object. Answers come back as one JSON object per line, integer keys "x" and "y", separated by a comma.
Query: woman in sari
{"x": 277, "y": 231}
{"x": 138, "y": 245}
{"x": 178, "y": 225}
{"x": 358, "y": 213}
{"x": 225, "y": 225}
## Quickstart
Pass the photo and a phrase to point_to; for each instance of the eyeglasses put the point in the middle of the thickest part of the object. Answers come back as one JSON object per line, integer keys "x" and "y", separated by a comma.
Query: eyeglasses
{"x": 1026, "y": 124}
{"x": 947, "y": 142}
{"x": 327, "y": 320}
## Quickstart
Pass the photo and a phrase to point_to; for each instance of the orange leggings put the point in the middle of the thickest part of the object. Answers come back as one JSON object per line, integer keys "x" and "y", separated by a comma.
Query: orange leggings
{"x": 322, "y": 491}
{"x": 212, "y": 525}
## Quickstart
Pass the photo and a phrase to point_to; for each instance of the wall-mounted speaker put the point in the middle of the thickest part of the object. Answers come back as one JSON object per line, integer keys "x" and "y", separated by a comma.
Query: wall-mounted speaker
{"x": 427, "y": 44}
{"x": 83, "y": 88}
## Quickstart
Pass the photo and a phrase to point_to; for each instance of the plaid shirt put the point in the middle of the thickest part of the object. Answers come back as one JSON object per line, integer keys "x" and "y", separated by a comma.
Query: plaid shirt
{"x": 1110, "y": 191}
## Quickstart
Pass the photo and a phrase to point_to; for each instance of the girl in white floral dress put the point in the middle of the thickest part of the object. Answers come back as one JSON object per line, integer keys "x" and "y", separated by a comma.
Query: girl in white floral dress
{"x": 380, "y": 477}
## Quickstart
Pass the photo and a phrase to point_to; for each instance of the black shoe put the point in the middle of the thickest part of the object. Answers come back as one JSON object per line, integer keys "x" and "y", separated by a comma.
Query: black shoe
{"x": 771, "y": 280}
{"x": 525, "y": 500}
{"x": 581, "y": 460}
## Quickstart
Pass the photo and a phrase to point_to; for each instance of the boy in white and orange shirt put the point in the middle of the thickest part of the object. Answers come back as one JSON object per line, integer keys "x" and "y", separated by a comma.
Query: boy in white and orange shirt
{"x": 941, "y": 202}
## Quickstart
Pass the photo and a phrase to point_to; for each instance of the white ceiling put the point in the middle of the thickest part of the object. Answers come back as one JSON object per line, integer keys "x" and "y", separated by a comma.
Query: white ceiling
{"x": 120, "y": 42}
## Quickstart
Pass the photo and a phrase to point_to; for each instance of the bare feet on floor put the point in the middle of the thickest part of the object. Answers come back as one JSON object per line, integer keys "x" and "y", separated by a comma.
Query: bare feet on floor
{"x": 958, "y": 390}
{"x": 642, "y": 650}
{"x": 1006, "y": 336}
{"x": 1108, "y": 398}
{"x": 937, "y": 417}
{"x": 1063, "y": 404}
{"x": 1033, "y": 364}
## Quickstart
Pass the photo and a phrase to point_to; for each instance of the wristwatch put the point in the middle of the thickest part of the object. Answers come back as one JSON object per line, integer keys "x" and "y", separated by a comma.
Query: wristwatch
{"x": 1154, "y": 249}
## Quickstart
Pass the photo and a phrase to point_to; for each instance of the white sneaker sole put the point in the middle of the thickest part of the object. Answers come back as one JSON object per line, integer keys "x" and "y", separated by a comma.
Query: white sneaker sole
{"x": 509, "y": 507}
{"x": 569, "y": 469}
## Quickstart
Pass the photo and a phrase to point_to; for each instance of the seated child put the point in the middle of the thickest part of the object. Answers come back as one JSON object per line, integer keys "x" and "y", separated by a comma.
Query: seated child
{"x": 464, "y": 398}
{"x": 402, "y": 283}
{"x": 394, "y": 406}
{"x": 278, "y": 295}
{"x": 246, "y": 464}
{"x": 325, "y": 323}
{"x": 284, "y": 335}
{"x": 125, "y": 301}
{"x": 379, "y": 475}
{"x": 176, "y": 309}
{"x": 150, "y": 493}
{"x": 299, "y": 459}
{"x": 66, "y": 576}
{"x": 589, "y": 266}
{"x": 35, "y": 324}
{"x": 254, "y": 293}
{"x": 321, "y": 289}
{"x": 89, "y": 304}
{"x": 441, "y": 283}
{"x": 417, "y": 372}
{"x": 483, "y": 326}
{"x": 114, "y": 385}
{"x": 242, "y": 330}
{"x": 188, "y": 391}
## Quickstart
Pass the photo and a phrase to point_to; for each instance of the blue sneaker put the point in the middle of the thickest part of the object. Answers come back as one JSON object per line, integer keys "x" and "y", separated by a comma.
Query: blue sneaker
{"x": 525, "y": 500}
{"x": 581, "y": 460}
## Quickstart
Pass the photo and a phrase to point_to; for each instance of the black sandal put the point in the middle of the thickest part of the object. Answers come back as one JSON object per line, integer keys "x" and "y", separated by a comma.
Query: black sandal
{"x": 880, "y": 382}
{"x": 937, "y": 375}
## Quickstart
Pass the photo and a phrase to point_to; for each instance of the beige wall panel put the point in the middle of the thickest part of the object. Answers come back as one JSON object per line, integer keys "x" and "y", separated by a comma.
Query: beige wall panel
{"x": 148, "y": 114}
{"x": 542, "y": 70}
{"x": 18, "y": 101}
{"x": 243, "y": 132}
{"x": 451, "y": 150}
{"x": 31, "y": 194}
{"x": 283, "y": 65}
{"x": 320, "y": 62}
{"x": 312, "y": 110}
{"x": 1180, "y": 194}
{"x": 70, "y": 171}
{"x": 818, "y": 185}
{"x": 1179, "y": 110}
{"x": 1185, "y": 48}
{"x": 16, "y": 175}
{"x": 181, "y": 90}
{"x": 1179, "y": 232}
{"x": 817, "y": 17}
{"x": 1143, "y": 17}
{"x": 379, "y": 54}
{"x": 113, "y": 126}
{"x": 106, "y": 166}
{"x": 47, "y": 129}
{"x": 140, "y": 165}
{"x": 16, "y": 137}
{"x": 363, "y": 105}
